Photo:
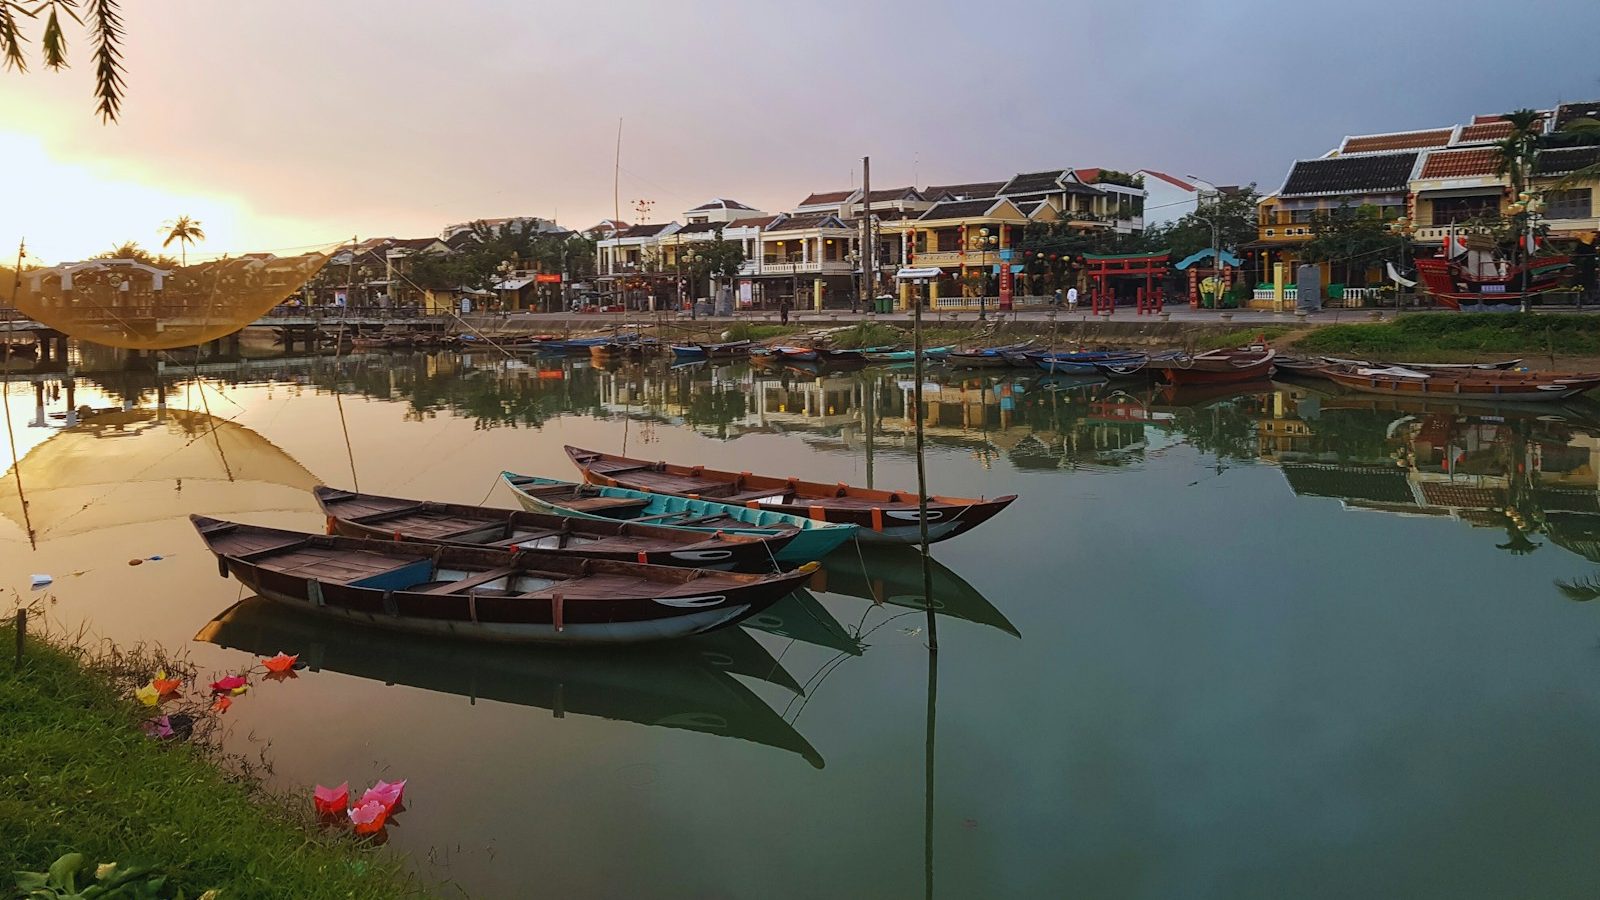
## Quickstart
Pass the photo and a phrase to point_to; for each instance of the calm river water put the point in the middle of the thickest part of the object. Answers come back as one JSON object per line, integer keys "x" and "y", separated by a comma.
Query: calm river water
{"x": 1268, "y": 643}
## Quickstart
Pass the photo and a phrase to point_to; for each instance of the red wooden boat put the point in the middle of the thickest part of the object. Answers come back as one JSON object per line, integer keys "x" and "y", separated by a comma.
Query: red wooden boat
{"x": 1452, "y": 284}
{"x": 883, "y": 516}
{"x": 1217, "y": 366}
{"x": 394, "y": 518}
{"x": 1523, "y": 387}
{"x": 496, "y": 595}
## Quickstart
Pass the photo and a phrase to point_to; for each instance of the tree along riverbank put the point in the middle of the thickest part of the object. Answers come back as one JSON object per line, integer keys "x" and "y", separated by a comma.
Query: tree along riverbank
{"x": 79, "y": 775}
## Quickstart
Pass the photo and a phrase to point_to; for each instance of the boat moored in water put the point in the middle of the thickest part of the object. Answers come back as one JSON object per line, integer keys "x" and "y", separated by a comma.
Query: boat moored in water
{"x": 815, "y": 539}
{"x": 1216, "y": 366}
{"x": 487, "y": 594}
{"x": 1476, "y": 384}
{"x": 382, "y": 518}
{"x": 883, "y": 516}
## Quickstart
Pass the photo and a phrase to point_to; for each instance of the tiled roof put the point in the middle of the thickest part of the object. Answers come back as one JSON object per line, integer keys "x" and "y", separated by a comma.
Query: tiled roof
{"x": 826, "y": 197}
{"x": 969, "y": 191}
{"x": 1033, "y": 182}
{"x": 1350, "y": 175}
{"x": 1379, "y": 485}
{"x": 720, "y": 203}
{"x": 1178, "y": 182}
{"x": 754, "y": 222}
{"x": 1484, "y": 131}
{"x": 808, "y": 220}
{"x": 413, "y": 243}
{"x": 608, "y": 225}
{"x": 1460, "y": 163}
{"x": 1401, "y": 140}
{"x": 904, "y": 193}
{"x": 701, "y": 227}
{"x": 1566, "y": 112}
{"x": 961, "y": 209}
{"x": 1566, "y": 160}
{"x": 1027, "y": 207}
{"x": 637, "y": 231}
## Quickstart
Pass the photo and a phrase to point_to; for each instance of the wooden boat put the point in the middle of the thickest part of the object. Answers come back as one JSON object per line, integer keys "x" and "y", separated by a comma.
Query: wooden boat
{"x": 1082, "y": 362}
{"x": 814, "y": 540}
{"x": 485, "y": 594}
{"x": 795, "y": 353}
{"x": 1453, "y": 284}
{"x": 380, "y": 518}
{"x": 1463, "y": 385}
{"x": 1217, "y": 366}
{"x": 727, "y": 349}
{"x": 694, "y": 684}
{"x": 370, "y": 342}
{"x": 883, "y": 516}
{"x": 986, "y": 357}
{"x": 1308, "y": 367}
{"x": 895, "y": 356}
{"x": 1488, "y": 366}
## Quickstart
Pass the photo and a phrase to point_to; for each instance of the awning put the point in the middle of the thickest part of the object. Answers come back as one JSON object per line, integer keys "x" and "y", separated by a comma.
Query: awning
{"x": 513, "y": 284}
{"x": 913, "y": 274}
{"x": 1015, "y": 268}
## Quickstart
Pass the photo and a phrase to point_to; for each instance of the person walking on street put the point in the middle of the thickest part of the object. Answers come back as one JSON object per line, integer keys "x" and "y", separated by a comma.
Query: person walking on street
{"x": 1072, "y": 299}
{"x": 783, "y": 310}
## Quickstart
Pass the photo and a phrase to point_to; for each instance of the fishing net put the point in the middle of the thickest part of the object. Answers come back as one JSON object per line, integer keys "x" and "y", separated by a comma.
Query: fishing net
{"x": 137, "y": 306}
{"x": 125, "y": 467}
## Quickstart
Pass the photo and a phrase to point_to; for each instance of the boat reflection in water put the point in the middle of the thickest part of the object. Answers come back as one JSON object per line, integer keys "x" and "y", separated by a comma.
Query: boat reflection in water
{"x": 687, "y": 684}
{"x": 893, "y": 575}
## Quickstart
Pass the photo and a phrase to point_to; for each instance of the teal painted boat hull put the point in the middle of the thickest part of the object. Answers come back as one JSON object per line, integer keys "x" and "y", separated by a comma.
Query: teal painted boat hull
{"x": 815, "y": 540}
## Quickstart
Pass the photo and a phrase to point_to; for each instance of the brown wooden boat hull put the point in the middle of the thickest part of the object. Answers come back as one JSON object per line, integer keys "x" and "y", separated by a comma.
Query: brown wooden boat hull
{"x": 393, "y": 518}
{"x": 883, "y": 516}
{"x": 486, "y": 594}
{"x": 1531, "y": 390}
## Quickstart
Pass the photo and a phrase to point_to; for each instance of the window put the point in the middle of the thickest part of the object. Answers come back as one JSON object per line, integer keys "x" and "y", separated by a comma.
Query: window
{"x": 1301, "y": 215}
{"x": 1573, "y": 204}
{"x": 1452, "y": 210}
{"x": 1269, "y": 215}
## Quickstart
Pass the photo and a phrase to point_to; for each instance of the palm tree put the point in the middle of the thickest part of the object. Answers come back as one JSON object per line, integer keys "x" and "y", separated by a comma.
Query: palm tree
{"x": 185, "y": 231}
{"x": 1519, "y": 150}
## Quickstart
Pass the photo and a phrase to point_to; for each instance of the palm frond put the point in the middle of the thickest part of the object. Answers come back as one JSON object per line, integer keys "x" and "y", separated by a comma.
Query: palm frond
{"x": 1579, "y": 590}
{"x": 11, "y": 37}
{"x": 109, "y": 83}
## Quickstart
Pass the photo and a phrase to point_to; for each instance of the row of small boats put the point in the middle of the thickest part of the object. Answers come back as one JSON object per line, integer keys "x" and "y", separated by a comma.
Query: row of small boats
{"x": 646, "y": 551}
{"x": 1505, "y": 380}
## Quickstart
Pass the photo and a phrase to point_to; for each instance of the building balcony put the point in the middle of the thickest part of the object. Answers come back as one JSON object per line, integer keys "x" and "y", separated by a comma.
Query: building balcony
{"x": 953, "y": 258}
{"x": 797, "y": 267}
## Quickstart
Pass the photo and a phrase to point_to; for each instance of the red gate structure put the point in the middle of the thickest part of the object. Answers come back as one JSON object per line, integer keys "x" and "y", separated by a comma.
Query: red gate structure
{"x": 1101, "y": 269}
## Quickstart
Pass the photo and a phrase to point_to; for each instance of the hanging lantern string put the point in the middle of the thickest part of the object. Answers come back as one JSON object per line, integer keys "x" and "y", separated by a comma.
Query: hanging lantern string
{"x": 5, "y": 398}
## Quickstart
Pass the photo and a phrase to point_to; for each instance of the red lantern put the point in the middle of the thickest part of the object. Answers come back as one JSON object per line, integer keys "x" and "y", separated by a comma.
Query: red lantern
{"x": 1052, "y": 256}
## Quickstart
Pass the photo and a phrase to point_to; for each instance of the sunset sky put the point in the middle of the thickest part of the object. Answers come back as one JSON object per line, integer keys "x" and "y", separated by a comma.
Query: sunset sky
{"x": 291, "y": 124}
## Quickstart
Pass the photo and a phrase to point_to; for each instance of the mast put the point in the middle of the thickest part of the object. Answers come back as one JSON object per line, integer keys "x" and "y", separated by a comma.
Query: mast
{"x": 616, "y": 178}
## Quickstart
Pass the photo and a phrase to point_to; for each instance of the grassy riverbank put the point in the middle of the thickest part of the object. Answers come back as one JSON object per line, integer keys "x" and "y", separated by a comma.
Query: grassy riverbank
{"x": 1428, "y": 338}
{"x": 78, "y": 774}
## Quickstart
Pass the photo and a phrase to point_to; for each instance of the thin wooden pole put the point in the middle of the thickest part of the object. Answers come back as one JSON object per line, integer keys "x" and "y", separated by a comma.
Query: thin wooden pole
{"x": 927, "y": 786}
{"x": 922, "y": 473}
{"x": 5, "y": 406}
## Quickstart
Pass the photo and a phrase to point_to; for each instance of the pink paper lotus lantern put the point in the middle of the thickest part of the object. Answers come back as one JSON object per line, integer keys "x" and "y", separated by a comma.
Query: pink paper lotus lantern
{"x": 331, "y": 801}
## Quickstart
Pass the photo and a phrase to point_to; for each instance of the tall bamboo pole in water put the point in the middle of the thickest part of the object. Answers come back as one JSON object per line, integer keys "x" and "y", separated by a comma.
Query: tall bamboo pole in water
{"x": 5, "y": 406}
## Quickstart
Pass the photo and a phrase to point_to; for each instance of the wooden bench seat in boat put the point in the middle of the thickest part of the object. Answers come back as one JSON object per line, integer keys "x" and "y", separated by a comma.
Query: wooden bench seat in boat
{"x": 470, "y": 582}
{"x": 595, "y": 504}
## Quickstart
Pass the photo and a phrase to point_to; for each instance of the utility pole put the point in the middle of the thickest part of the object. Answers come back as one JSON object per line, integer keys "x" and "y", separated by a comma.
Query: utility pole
{"x": 866, "y": 230}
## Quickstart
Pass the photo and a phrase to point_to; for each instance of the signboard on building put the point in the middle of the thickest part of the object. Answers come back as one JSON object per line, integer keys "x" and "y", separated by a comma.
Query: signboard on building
{"x": 547, "y": 278}
{"x": 1006, "y": 286}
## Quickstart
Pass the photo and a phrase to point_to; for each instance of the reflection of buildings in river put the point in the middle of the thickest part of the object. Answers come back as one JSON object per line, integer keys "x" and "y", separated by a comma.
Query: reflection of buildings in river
{"x": 1488, "y": 471}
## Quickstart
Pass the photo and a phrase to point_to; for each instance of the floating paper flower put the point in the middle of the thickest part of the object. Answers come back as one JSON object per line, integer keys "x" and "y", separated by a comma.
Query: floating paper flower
{"x": 225, "y": 685}
{"x": 165, "y": 685}
{"x": 385, "y": 792}
{"x": 240, "y": 689}
{"x": 148, "y": 695}
{"x": 330, "y": 801}
{"x": 222, "y": 703}
{"x": 368, "y": 817}
{"x": 160, "y": 727}
{"x": 283, "y": 662}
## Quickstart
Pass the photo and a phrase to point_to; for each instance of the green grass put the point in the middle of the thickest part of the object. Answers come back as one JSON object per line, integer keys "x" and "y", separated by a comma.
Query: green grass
{"x": 1239, "y": 337}
{"x": 1433, "y": 336}
{"x": 77, "y": 774}
{"x": 749, "y": 331}
{"x": 870, "y": 334}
